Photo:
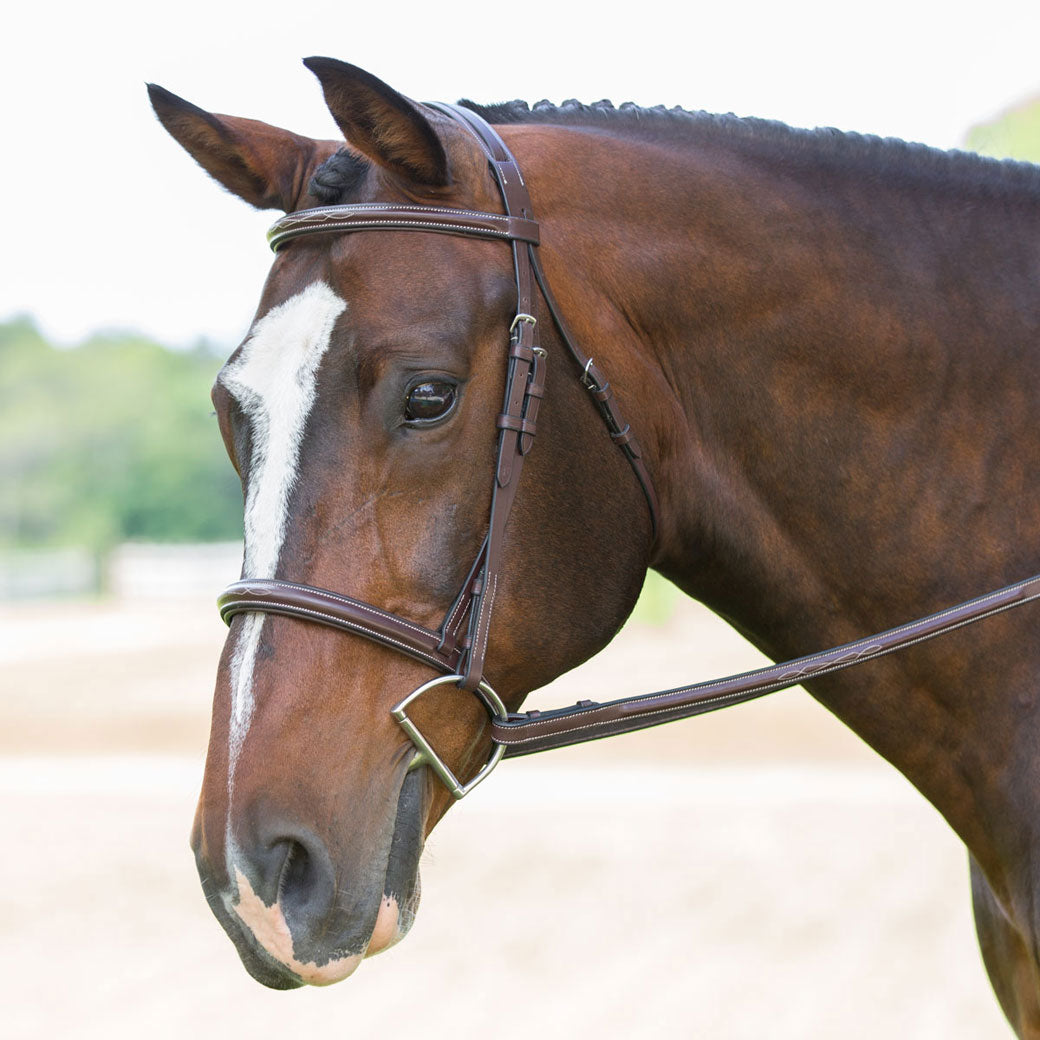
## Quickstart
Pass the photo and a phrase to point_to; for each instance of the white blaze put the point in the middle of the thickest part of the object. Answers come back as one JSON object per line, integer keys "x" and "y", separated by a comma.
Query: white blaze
{"x": 272, "y": 381}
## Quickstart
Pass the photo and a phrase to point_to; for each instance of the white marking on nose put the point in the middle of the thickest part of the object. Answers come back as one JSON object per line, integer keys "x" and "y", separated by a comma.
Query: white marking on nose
{"x": 268, "y": 925}
{"x": 273, "y": 382}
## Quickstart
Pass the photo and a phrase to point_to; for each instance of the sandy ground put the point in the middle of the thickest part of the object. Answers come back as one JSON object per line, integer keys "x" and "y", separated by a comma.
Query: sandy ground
{"x": 758, "y": 873}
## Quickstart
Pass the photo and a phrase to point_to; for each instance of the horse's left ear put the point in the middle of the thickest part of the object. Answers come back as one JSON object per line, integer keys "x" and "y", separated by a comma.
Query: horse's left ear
{"x": 382, "y": 124}
{"x": 265, "y": 165}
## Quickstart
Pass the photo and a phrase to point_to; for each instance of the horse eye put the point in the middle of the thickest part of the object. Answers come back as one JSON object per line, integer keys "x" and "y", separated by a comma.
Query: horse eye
{"x": 426, "y": 402}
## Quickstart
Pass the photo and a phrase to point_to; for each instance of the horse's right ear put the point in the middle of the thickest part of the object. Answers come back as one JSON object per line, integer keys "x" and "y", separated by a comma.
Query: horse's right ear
{"x": 263, "y": 164}
{"x": 381, "y": 124}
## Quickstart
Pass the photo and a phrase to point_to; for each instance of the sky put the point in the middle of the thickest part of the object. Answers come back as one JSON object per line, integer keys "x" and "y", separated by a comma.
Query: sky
{"x": 108, "y": 225}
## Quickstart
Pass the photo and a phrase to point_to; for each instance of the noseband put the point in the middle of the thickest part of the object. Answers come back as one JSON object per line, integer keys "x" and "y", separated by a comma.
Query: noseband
{"x": 458, "y": 648}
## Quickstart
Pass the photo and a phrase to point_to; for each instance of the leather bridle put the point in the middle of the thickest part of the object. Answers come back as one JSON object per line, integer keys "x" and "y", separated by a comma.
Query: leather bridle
{"x": 458, "y": 647}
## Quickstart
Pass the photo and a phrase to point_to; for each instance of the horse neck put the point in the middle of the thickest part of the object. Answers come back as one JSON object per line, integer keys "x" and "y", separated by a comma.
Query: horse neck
{"x": 819, "y": 364}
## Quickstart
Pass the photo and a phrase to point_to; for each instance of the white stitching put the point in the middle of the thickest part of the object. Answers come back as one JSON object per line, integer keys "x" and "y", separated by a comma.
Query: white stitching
{"x": 341, "y": 218}
{"x": 780, "y": 681}
{"x": 418, "y": 225}
{"x": 519, "y": 741}
{"x": 486, "y": 617}
{"x": 459, "y": 606}
{"x": 249, "y": 607}
{"x": 326, "y": 212}
{"x": 352, "y": 602}
{"x": 388, "y": 221}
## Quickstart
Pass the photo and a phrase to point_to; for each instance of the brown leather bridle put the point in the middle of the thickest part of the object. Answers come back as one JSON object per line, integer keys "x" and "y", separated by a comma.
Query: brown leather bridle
{"x": 458, "y": 648}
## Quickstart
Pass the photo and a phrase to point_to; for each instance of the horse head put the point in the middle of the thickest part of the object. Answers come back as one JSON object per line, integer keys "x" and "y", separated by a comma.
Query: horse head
{"x": 360, "y": 413}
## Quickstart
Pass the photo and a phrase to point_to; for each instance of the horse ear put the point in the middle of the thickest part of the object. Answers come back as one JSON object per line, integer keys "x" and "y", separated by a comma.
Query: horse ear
{"x": 262, "y": 164}
{"x": 382, "y": 124}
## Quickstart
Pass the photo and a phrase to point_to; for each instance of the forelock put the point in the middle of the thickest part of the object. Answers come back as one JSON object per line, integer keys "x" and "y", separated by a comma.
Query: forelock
{"x": 338, "y": 178}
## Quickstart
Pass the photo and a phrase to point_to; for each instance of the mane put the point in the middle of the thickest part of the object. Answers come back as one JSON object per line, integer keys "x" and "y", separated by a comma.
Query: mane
{"x": 894, "y": 160}
{"x": 890, "y": 156}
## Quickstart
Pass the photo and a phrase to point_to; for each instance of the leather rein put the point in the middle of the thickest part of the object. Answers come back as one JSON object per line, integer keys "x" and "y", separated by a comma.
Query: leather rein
{"x": 458, "y": 648}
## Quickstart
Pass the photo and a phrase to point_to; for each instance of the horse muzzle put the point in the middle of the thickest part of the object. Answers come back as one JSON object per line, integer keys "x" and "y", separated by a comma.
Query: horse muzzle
{"x": 296, "y": 916}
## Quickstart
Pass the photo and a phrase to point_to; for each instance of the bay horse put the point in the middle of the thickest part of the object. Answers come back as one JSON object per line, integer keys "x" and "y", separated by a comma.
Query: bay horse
{"x": 828, "y": 347}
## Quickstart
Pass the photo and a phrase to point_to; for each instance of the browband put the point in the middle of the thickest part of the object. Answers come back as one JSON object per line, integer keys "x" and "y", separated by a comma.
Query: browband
{"x": 384, "y": 216}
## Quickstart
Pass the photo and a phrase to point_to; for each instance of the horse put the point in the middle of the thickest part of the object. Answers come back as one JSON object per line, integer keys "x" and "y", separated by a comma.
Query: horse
{"x": 827, "y": 345}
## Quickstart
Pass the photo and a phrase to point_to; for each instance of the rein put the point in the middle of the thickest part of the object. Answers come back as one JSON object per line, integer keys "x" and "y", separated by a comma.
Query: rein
{"x": 458, "y": 648}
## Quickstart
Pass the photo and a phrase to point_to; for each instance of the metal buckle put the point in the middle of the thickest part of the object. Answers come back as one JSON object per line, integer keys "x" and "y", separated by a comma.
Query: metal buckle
{"x": 425, "y": 754}
{"x": 532, "y": 321}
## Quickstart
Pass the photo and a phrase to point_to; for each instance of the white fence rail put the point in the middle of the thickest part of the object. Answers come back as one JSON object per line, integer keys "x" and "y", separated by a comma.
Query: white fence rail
{"x": 52, "y": 572}
{"x": 142, "y": 571}
{"x": 132, "y": 571}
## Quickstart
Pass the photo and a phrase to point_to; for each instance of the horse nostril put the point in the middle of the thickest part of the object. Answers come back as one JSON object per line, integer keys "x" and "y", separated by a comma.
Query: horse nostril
{"x": 286, "y": 909}
{"x": 295, "y": 871}
{"x": 296, "y": 878}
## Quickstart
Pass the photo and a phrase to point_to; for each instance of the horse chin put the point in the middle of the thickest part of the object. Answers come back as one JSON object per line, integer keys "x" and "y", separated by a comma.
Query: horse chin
{"x": 262, "y": 936}
{"x": 263, "y": 967}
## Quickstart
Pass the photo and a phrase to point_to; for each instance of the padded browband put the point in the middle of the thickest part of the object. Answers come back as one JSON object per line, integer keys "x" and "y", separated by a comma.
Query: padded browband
{"x": 376, "y": 216}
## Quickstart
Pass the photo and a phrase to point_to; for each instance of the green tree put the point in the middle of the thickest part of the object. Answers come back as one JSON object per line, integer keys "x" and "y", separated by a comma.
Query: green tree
{"x": 108, "y": 441}
{"x": 1015, "y": 134}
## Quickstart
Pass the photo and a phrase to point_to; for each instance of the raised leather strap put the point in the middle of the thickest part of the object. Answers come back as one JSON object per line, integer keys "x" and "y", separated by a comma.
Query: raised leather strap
{"x": 380, "y": 216}
{"x": 525, "y": 378}
{"x": 594, "y": 381}
{"x": 517, "y": 200}
{"x": 529, "y": 732}
{"x": 338, "y": 611}
{"x": 504, "y": 167}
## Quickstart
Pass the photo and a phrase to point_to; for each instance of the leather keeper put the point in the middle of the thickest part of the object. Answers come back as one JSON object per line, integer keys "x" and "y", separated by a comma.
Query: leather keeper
{"x": 624, "y": 436}
{"x": 521, "y": 350}
{"x": 513, "y": 422}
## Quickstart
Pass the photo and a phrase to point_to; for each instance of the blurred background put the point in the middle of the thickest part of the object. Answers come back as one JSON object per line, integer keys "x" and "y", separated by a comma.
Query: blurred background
{"x": 755, "y": 873}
